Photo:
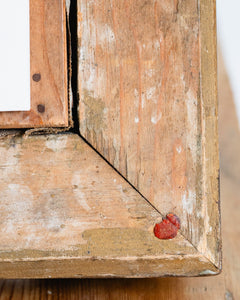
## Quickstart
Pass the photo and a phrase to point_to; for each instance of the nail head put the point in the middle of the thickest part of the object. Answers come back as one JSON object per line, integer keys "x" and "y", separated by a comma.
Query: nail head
{"x": 36, "y": 77}
{"x": 41, "y": 108}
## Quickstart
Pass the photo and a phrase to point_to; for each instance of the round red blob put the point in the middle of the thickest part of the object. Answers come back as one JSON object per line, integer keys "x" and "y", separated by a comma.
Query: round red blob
{"x": 165, "y": 230}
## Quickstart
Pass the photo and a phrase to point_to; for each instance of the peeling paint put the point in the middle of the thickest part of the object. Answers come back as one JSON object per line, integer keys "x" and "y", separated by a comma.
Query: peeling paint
{"x": 189, "y": 202}
{"x": 179, "y": 149}
{"x": 106, "y": 36}
{"x": 150, "y": 92}
{"x": 208, "y": 272}
{"x": 156, "y": 118}
{"x": 191, "y": 104}
{"x": 136, "y": 120}
{"x": 56, "y": 144}
{"x": 77, "y": 182}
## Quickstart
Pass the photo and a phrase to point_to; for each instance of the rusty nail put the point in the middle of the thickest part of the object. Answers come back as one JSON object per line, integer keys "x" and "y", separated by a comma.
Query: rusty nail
{"x": 41, "y": 108}
{"x": 36, "y": 77}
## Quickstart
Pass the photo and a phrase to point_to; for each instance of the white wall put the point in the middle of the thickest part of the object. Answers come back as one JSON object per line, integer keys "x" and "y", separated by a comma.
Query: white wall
{"x": 228, "y": 18}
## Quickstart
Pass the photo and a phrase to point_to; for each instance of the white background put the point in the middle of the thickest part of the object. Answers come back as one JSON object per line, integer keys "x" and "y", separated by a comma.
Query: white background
{"x": 228, "y": 19}
{"x": 14, "y": 55}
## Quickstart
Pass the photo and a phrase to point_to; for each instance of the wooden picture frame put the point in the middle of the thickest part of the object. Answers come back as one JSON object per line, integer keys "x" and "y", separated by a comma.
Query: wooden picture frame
{"x": 67, "y": 212}
{"x": 49, "y": 71}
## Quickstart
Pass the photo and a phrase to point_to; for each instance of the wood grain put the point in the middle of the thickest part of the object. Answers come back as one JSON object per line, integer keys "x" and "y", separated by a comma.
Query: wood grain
{"x": 207, "y": 214}
{"x": 49, "y": 59}
{"x": 139, "y": 81}
{"x": 66, "y": 213}
{"x": 56, "y": 188}
{"x": 224, "y": 286}
{"x": 147, "y": 85}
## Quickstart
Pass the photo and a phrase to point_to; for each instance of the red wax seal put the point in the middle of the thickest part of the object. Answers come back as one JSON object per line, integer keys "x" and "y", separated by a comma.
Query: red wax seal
{"x": 168, "y": 228}
{"x": 174, "y": 220}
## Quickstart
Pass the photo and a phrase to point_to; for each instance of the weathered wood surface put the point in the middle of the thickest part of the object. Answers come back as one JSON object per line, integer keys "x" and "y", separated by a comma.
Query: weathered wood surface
{"x": 66, "y": 213}
{"x": 56, "y": 188}
{"x": 49, "y": 59}
{"x": 223, "y": 286}
{"x": 147, "y": 85}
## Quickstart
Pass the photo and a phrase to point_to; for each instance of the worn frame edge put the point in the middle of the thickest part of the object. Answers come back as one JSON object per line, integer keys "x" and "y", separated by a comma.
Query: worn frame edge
{"x": 206, "y": 265}
{"x": 211, "y": 245}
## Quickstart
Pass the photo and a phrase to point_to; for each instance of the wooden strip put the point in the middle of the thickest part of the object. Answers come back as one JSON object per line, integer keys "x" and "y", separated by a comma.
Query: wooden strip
{"x": 147, "y": 84}
{"x": 49, "y": 101}
{"x": 139, "y": 82}
{"x": 56, "y": 188}
{"x": 207, "y": 218}
{"x": 109, "y": 268}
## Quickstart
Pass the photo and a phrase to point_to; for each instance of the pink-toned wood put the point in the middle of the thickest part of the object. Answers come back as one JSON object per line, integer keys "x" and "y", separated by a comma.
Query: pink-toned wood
{"x": 66, "y": 213}
{"x": 147, "y": 85}
{"x": 70, "y": 214}
{"x": 223, "y": 286}
{"x": 139, "y": 81}
{"x": 49, "y": 59}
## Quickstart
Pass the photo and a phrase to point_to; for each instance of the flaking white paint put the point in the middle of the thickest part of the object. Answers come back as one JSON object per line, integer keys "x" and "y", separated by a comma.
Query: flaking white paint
{"x": 77, "y": 182}
{"x": 189, "y": 202}
{"x": 56, "y": 144}
{"x": 155, "y": 118}
{"x": 136, "y": 120}
{"x": 207, "y": 272}
{"x": 191, "y": 104}
{"x": 150, "y": 92}
{"x": 179, "y": 149}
